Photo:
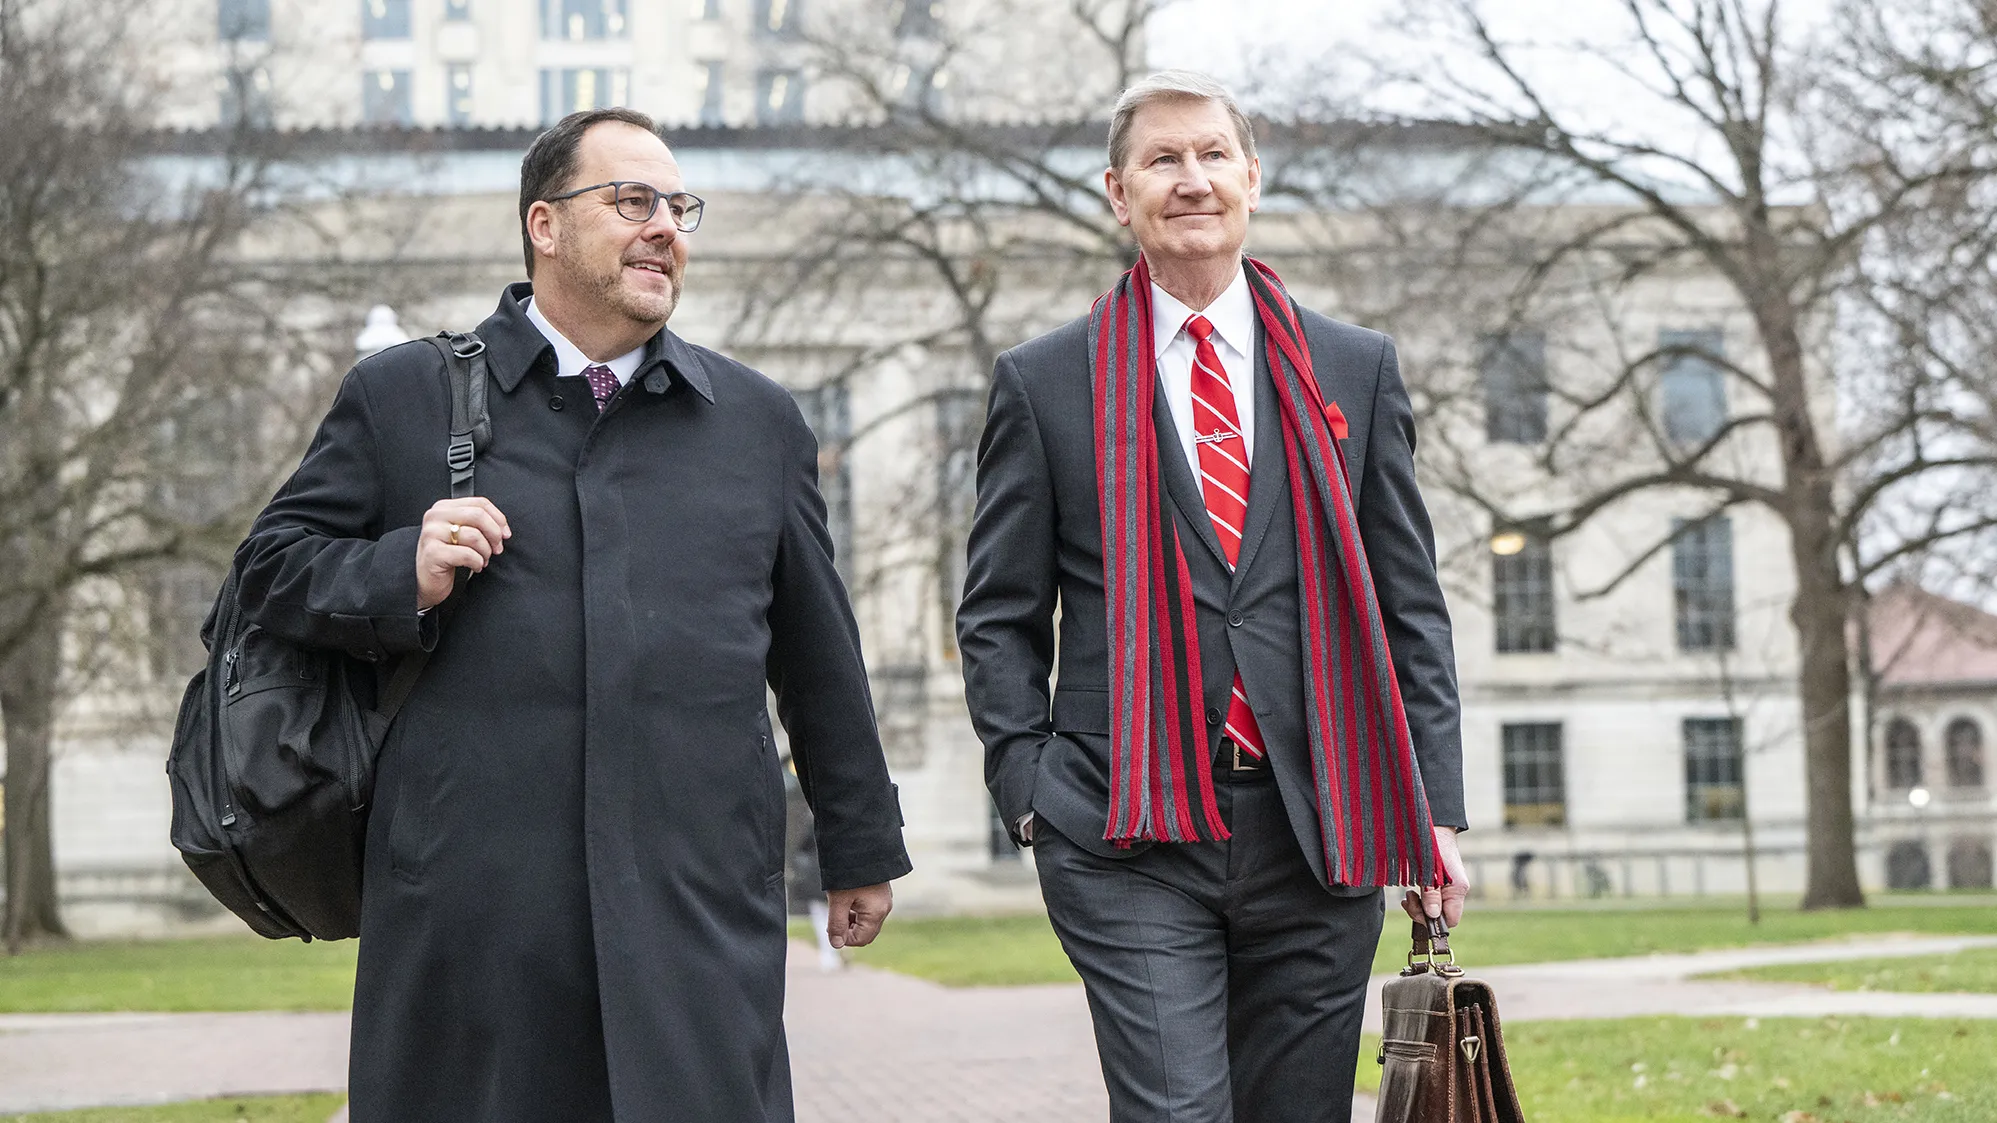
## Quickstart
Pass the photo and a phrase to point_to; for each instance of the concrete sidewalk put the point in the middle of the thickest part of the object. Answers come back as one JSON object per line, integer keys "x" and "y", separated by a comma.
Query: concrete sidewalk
{"x": 875, "y": 1046}
{"x": 1664, "y": 984}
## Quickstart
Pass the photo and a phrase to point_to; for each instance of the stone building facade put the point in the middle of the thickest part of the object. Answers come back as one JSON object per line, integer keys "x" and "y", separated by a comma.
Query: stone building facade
{"x": 1614, "y": 743}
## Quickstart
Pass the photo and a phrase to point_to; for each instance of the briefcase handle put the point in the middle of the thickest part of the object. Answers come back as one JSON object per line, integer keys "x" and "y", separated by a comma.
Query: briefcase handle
{"x": 1431, "y": 939}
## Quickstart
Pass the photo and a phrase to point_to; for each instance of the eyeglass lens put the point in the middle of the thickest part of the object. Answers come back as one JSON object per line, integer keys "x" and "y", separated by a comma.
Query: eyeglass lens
{"x": 637, "y": 202}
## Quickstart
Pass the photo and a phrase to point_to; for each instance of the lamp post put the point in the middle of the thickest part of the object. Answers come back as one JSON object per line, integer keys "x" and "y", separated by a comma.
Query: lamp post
{"x": 380, "y": 333}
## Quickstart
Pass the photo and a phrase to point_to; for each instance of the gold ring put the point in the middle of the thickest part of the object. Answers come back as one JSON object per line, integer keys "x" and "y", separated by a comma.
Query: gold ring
{"x": 453, "y": 539}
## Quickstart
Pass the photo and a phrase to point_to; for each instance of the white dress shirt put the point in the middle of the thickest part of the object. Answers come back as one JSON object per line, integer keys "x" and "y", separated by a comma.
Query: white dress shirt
{"x": 569, "y": 359}
{"x": 1233, "y": 317}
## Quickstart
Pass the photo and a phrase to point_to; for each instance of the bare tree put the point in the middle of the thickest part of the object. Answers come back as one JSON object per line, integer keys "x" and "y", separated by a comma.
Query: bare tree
{"x": 148, "y": 368}
{"x": 962, "y": 213}
{"x": 1836, "y": 185}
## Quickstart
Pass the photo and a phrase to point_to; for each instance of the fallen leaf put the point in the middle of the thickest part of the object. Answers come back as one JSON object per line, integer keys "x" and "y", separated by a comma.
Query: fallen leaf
{"x": 1723, "y": 1109}
{"x": 1801, "y": 1117}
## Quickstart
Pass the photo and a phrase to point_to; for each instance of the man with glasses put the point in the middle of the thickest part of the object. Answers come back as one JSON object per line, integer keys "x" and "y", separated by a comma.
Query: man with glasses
{"x": 574, "y": 904}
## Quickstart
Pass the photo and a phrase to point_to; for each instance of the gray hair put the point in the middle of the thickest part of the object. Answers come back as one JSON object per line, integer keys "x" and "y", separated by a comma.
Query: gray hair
{"x": 1173, "y": 85}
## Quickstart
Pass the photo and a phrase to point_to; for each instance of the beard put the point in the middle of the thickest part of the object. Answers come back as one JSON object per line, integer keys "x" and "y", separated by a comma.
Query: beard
{"x": 609, "y": 286}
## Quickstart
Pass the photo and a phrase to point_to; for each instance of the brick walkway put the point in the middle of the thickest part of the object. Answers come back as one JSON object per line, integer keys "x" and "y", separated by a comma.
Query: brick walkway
{"x": 872, "y": 1047}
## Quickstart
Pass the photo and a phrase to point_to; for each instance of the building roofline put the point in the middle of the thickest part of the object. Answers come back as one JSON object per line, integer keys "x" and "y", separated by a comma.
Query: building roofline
{"x": 884, "y": 136}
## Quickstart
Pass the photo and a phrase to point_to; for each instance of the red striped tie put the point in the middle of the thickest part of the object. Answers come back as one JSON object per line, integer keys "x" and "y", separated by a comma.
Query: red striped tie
{"x": 1223, "y": 457}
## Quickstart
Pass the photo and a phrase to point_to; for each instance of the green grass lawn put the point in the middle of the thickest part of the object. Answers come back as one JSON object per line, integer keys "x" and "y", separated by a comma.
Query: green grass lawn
{"x": 222, "y": 973}
{"x": 235, "y": 1109}
{"x": 1690, "y": 1070}
{"x": 1974, "y": 971}
{"x": 243, "y": 973}
{"x": 979, "y": 951}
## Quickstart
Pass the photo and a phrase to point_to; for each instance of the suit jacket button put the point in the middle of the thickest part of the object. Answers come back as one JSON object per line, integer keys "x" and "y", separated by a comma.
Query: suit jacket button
{"x": 555, "y": 403}
{"x": 1234, "y": 620}
{"x": 1213, "y": 716}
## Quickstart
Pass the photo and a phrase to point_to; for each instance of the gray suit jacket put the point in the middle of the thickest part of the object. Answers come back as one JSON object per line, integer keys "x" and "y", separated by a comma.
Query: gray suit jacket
{"x": 1036, "y": 540}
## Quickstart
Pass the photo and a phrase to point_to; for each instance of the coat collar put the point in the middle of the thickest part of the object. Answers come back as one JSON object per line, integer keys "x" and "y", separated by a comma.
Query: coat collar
{"x": 514, "y": 345}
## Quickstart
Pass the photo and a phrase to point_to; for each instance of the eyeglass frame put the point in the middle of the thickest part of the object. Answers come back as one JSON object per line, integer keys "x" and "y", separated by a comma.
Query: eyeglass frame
{"x": 658, "y": 196}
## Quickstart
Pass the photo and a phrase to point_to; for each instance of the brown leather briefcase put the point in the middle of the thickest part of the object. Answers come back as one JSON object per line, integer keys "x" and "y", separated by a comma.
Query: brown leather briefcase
{"x": 1442, "y": 1052}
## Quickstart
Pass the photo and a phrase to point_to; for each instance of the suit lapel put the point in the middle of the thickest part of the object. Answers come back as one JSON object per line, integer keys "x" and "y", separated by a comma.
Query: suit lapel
{"x": 1179, "y": 482}
{"x": 1269, "y": 473}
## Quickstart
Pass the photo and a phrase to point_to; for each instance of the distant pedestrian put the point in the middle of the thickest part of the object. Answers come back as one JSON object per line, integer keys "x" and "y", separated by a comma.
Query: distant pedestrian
{"x": 1521, "y": 879}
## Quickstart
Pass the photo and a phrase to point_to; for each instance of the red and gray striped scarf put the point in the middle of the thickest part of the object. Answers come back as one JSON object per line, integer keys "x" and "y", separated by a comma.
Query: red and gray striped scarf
{"x": 1376, "y": 822}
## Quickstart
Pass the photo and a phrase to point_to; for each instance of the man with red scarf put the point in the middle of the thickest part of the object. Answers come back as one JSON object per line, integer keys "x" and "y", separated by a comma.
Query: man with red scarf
{"x": 1256, "y": 723}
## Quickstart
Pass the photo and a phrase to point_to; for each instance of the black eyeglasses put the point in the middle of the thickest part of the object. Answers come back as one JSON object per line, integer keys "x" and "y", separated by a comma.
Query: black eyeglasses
{"x": 639, "y": 201}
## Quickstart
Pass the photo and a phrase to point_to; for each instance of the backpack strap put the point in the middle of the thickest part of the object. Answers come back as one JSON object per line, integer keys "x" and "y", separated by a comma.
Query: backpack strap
{"x": 471, "y": 433}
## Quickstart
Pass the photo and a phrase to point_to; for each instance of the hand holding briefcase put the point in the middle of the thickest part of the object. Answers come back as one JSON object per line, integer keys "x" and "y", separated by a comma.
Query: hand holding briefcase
{"x": 1442, "y": 1052}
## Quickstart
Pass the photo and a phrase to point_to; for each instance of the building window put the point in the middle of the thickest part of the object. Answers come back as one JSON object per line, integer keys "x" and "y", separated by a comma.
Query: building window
{"x": 385, "y": 97}
{"x": 583, "y": 19}
{"x": 1907, "y": 866}
{"x": 246, "y": 98}
{"x": 918, "y": 88}
{"x": 458, "y": 93}
{"x": 1969, "y": 864}
{"x": 710, "y": 9}
{"x": 384, "y": 19}
{"x": 1535, "y": 777}
{"x": 1693, "y": 390}
{"x": 1714, "y": 791}
{"x": 1522, "y": 591}
{"x": 777, "y": 18}
{"x": 457, "y": 11}
{"x": 242, "y": 20}
{"x": 573, "y": 90}
{"x": 1513, "y": 371}
{"x": 825, "y": 410}
{"x": 920, "y": 19}
{"x": 1903, "y": 754}
{"x": 711, "y": 104}
{"x": 779, "y": 97}
{"x": 1965, "y": 754}
{"x": 1702, "y": 583}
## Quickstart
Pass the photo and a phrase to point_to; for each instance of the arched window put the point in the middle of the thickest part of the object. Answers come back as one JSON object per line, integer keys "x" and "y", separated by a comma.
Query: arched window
{"x": 1903, "y": 754}
{"x": 1969, "y": 863}
{"x": 1965, "y": 754}
{"x": 1907, "y": 866}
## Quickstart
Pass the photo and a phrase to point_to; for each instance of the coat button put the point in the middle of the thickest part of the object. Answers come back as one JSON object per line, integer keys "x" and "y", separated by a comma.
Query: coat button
{"x": 1213, "y": 716}
{"x": 555, "y": 403}
{"x": 1234, "y": 620}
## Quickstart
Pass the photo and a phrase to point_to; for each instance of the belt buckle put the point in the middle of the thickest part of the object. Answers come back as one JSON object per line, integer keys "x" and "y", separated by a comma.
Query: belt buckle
{"x": 1251, "y": 765}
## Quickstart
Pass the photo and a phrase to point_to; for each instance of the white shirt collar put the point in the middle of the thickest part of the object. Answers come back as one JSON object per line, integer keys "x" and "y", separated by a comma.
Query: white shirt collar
{"x": 1232, "y": 314}
{"x": 569, "y": 359}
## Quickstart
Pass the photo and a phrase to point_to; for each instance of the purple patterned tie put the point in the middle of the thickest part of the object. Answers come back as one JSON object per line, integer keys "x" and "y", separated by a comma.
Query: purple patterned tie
{"x": 602, "y": 383}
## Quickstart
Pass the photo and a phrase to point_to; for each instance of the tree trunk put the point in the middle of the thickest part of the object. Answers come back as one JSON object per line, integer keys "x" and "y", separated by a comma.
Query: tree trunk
{"x": 1824, "y": 675}
{"x": 28, "y": 681}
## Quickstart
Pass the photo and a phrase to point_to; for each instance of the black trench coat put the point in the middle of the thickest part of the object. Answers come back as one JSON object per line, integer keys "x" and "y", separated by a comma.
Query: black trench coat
{"x": 574, "y": 899}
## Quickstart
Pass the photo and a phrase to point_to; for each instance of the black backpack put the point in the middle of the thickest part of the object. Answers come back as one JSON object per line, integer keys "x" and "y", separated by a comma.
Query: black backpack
{"x": 272, "y": 767}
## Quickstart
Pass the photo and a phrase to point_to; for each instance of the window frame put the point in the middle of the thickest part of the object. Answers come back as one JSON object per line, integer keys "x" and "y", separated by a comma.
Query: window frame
{"x": 1697, "y": 371}
{"x": 1532, "y": 758}
{"x": 372, "y": 92}
{"x": 1511, "y": 371}
{"x": 1713, "y": 756}
{"x": 1703, "y": 606}
{"x": 609, "y": 25}
{"x": 397, "y": 21}
{"x": 255, "y": 28}
{"x": 1964, "y": 756}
